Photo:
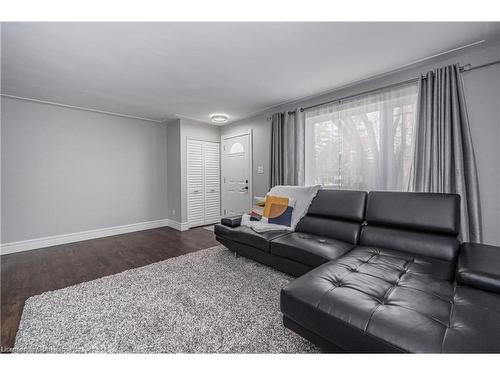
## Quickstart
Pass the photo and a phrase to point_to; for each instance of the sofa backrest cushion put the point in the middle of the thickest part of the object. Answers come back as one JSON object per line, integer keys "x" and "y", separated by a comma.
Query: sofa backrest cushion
{"x": 419, "y": 243}
{"x": 336, "y": 214}
{"x": 425, "y": 224}
{"x": 427, "y": 212}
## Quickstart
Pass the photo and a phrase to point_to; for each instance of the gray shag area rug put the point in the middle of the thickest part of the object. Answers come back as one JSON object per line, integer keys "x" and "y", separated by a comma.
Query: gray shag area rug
{"x": 205, "y": 302}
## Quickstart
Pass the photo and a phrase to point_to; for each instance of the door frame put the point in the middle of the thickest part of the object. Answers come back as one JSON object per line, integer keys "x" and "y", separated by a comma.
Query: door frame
{"x": 223, "y": 167}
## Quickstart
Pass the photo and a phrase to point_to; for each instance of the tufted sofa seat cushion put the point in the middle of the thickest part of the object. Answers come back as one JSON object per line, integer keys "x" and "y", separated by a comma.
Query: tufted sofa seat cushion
{"x": 378, "y": 300}
{"x": 248, "y": 236}
{"x": 309, "y": 249}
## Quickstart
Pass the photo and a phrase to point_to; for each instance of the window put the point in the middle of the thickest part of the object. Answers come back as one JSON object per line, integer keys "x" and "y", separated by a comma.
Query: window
{"x": 363, "y": 143}
{"x": 236, "y": 148}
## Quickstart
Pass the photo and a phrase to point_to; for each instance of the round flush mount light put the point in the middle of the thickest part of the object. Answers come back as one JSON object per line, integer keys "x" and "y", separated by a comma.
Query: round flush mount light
{"x": 219, "y": 118}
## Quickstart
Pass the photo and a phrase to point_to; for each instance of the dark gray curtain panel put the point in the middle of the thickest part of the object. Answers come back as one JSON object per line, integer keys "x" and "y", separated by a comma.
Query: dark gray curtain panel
{"x": 287, "y": 148}
{"x": 443, "y": 158}
{"x": 277, "y": 149}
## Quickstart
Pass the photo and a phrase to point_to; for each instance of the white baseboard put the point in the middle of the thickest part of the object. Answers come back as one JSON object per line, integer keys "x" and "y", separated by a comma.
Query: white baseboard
{"x": 178, "y": 225}
{"x": 38, "y": 243}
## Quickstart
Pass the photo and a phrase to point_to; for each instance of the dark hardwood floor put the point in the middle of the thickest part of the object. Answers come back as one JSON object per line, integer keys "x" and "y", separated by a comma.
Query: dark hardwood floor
{"x": 29, "y": 273}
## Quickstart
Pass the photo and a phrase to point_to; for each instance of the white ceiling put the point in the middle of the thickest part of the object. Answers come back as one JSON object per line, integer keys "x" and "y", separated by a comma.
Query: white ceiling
{"x": 164, "y": 70}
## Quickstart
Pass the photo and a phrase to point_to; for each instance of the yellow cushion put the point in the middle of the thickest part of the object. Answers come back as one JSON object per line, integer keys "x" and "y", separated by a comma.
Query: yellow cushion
{"x": 275, "y": 206}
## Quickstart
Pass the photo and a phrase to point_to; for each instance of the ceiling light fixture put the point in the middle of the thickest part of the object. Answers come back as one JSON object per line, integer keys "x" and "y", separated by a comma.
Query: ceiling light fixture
{"x": 219, "y": 118}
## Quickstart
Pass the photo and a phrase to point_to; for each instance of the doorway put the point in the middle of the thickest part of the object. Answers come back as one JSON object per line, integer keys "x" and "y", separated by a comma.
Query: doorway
{"x": 236, "y": 163}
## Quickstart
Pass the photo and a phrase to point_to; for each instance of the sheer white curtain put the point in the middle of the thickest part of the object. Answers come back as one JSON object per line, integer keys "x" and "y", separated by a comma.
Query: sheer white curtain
{"x": 362, "y": 143}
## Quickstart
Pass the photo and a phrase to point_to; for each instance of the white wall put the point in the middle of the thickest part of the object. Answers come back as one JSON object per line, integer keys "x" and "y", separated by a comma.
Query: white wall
{"x": 66, "y": 170}
{"x": 174, "y": 185}
{"x": 482, "y": 88}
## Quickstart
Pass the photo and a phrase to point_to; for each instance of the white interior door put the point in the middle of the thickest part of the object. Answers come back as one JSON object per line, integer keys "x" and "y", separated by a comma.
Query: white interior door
{"x": 211, "y": 156}
{"x": 195, "y": 184}
{"x": 236, "y": 174}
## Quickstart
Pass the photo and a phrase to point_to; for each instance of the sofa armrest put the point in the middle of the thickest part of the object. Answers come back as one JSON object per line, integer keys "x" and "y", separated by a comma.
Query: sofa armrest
{"x": 231, "y": 221}
{"x": 479, "y": 266}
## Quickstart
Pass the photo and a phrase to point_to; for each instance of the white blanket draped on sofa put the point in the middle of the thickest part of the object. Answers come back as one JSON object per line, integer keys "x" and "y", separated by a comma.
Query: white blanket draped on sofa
{"x": 302, "y": 195}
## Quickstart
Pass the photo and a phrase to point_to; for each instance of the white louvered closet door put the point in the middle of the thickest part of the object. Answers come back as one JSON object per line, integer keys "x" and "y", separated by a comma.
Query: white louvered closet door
{"x": 203, "y": 183}
{"x": 211, "y": 158}
{"x": 195, "y": 193}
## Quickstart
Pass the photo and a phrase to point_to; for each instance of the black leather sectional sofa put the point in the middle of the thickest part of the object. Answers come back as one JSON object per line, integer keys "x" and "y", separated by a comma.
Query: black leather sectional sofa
{"x": 381, "y": 272}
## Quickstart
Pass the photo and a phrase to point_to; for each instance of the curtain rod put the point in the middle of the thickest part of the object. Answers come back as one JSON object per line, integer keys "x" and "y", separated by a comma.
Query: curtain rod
{"x": 465, "y": 68}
